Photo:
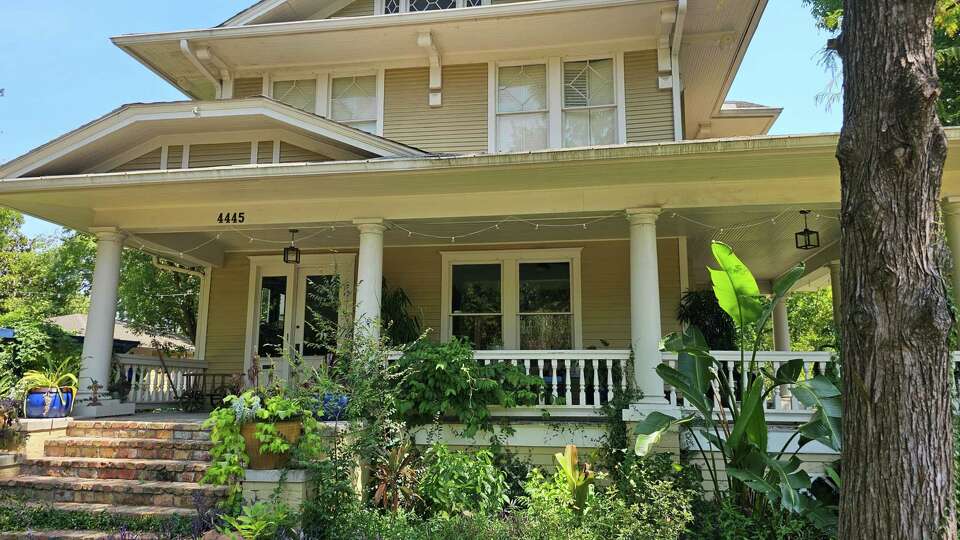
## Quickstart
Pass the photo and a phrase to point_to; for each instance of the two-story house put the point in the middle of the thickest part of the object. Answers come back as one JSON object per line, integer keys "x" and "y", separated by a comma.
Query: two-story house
{"x": 540, "y": 177}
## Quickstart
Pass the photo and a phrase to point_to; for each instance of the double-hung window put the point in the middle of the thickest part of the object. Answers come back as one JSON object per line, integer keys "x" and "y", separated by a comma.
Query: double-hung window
{"x": 555, "y": 104}
{"x": 522, "y": 108}
{"x": 404, "y": 6}
{"x": 589, "y": 103}
{"x": 353, "y": 101}
{"x": 516, "y": 299}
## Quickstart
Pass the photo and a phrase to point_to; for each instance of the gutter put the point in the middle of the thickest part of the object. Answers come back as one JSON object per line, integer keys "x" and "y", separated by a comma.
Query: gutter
{"x": 185, "y": 48}
{"x": 675, "y": 68}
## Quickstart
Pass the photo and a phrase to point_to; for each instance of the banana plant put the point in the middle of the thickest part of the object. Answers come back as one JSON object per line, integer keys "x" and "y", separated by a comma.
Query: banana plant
{"x": 732, "y": 423}
{"x": 578, "y": 475}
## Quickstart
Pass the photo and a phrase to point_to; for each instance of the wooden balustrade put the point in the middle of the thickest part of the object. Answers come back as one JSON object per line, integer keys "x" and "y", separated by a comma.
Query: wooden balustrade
{"x": 148, "y": 383}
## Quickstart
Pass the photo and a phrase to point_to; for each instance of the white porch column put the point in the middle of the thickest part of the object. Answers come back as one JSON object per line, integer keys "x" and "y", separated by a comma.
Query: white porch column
{"x": 101, "y": 320}
{"x": 781, "y": 326}
{"x": 645, "y": 303}
{"x": 369, "y": 274}
{"x": 951, "y": 218}
{"x": 835, "y": 291}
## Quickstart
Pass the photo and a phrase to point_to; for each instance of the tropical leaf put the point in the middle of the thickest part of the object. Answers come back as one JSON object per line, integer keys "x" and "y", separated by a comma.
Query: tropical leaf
{"x": 693, "y": 360}
{"x": 685, "y": 387}
{"x": 751, "y": 425}
{"x": 821, "y": 395}
{"x": 788, "y": 372}
{"x": 651, "y": 430}
{"x": 735, "y": 287}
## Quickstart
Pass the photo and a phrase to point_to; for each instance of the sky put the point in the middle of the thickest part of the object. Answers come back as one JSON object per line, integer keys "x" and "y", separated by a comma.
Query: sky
{"x": 59, "y": 70}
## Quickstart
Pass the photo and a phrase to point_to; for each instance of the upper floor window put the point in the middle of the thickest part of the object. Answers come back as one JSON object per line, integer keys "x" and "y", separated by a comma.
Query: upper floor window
{"x": 404, "y": 6}
{"x": 555, "y": 104}
{"x": 522, "y": 110}
{"x": 301, "y": 94}
{"x": 353, "y": 101}
{"x": 589, "y": 103}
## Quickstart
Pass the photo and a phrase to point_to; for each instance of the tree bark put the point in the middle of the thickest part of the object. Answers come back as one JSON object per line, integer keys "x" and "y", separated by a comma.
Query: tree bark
{"x": 898, "y": 446}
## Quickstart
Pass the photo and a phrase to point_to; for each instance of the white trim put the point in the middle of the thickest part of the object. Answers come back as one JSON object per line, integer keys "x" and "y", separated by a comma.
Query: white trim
{"x": 275, "y": 158}
{"x": 554, "y": 102}
{"x": 203, "y": 313}
{"x": 684, "y": 264}
{"x": 509, "y": 261}
{"x": 267, "y": 85}
{"x": 254, "y": 151}
{"x": 164, "y": 156}
{"x": 253, "y": 12}
{"x": 619, "y": 71}
{"x": 185, "y": 158}
{"x": 492, "y": 72}
{"x": 380, "y": 90}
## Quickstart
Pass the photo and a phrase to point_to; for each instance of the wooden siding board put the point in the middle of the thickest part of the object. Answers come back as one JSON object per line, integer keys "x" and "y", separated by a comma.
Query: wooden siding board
{"x": 247, "y": 87}
{"x": 290, "y": 153}
{"x": 227, "y": 315}
{"x": 458, "y": 125}
{"x": 265, "y": 152}
{"x": 219, "y": 155}
{"x": 174, "y": 156}
{"x": 145, "y": 162}
{"x": 649, "y": 110}
{"x": 358, "y": 8}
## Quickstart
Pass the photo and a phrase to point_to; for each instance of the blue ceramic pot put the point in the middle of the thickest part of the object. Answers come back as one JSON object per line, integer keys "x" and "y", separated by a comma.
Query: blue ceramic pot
{"x": 334, "y": 406}
{"x": 35, "y": 405}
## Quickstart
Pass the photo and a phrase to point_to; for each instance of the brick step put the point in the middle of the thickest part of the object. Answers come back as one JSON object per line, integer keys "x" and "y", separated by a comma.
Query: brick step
{"x": 99, "y": 447}
{"x": 112, "y": 492}
{"x": 137, "y": 430}
{"x": 163, "y": 470}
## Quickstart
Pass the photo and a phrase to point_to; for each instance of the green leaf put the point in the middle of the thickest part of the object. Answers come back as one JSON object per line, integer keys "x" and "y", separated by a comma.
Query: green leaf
{"x": 735, "y": 287}
{"x": 685, "y": 387}
{"x": 821, "y": 395}
{"x": 651, "y": 430}
{"x": 751, "y": 425}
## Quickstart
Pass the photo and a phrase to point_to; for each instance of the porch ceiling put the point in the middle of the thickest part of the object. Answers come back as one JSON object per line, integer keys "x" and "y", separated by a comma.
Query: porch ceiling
{"x": 762, "y": 235}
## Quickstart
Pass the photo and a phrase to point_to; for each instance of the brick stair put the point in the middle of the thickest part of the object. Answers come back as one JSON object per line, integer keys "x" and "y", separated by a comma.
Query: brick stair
{"x": 121, "y": 467}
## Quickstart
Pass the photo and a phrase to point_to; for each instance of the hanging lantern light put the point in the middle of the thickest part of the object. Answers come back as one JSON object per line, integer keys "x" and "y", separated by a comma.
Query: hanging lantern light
{"x": 291, "y": 255}
{"x": 807, "y": 239}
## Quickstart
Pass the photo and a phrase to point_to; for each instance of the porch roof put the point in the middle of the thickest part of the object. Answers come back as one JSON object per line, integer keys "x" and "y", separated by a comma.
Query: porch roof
{"x": 129, "y": 129}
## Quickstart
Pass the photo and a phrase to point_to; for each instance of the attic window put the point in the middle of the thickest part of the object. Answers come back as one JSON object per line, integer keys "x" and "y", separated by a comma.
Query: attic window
{"x": 408, "y": 6}
{"x": 301, "y": 94}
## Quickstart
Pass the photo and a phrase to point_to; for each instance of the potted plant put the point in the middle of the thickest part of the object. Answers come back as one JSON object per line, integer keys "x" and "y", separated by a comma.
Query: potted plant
{"x": 270, "y": 426}
{"x": 49, "y": 392}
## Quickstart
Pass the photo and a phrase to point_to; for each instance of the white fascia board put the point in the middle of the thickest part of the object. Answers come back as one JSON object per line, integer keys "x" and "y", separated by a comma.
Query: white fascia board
{"x": 535, "y": 7}
{"x": 738, "y": 57}
{"x": 252, "y": 13}
{"x": 256, "y": 106}
{"x": 630, "y": 152}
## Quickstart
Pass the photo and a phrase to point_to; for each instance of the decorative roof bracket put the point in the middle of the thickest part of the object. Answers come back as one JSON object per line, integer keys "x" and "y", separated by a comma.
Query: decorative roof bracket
{"x": 425, "y": 40}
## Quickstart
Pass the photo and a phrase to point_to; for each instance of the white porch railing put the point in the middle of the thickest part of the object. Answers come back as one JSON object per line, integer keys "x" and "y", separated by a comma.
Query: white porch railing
{"x": 148, "y": 383}
{"x": 782, "y": 402}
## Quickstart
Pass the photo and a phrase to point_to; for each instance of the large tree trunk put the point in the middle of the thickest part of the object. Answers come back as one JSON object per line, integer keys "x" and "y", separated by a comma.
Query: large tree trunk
{"x": 898, "y": 449}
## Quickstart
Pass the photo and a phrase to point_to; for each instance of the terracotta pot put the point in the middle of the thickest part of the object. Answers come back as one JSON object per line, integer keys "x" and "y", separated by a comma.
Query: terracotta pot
{"x": 289, "y": 430}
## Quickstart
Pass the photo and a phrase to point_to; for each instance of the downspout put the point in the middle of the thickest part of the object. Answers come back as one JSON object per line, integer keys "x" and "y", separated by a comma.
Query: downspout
{"x": 675, "y": 69}
{"x": 172, "y": 268}
{"x": 185, "y": 48}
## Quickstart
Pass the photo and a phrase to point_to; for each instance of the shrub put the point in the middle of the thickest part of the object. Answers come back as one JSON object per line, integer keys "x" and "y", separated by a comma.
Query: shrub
{"x": 454, "y": 483}
{"x": 664, "y": 492}
{"x": 444, "y": 380}
{"x": 724, "y": 520}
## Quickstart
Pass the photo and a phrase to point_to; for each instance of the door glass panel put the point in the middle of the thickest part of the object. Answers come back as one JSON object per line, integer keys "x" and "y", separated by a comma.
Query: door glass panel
{"x": 321, "y": 314}
{"x": 546, "y": 317}
{"x": 476, "y": 310}
{"x": 273, "y": 305}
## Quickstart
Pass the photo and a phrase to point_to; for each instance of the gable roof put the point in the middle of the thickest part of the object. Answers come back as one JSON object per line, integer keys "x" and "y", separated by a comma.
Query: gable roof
{"x": 127, "y": 128}
{"x": 272, "y": 11}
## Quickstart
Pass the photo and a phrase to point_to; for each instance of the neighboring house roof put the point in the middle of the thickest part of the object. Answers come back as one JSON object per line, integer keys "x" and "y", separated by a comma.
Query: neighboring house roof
{"x": 121, "y": 133}
{"x": 76, "y": 324}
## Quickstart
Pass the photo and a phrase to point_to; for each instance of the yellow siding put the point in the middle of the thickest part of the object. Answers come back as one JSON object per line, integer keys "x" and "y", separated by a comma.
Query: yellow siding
{"x": 146, "y": 162}
{"x": 265, "y": 152}
{"x": 294, "y": 154}
{"x": 246, "y": 87}
{"x": 358, "y": 8}
{"x": 219, "y": 155}
{"x": 458, "y": 125}
{"x": 174, "y": 157}
{"x": 649, "y": 110}
{"x": 227, "y": 315}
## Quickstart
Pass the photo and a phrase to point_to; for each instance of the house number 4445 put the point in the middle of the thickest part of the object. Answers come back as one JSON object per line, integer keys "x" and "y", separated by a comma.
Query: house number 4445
{"x": 231, "y": 217}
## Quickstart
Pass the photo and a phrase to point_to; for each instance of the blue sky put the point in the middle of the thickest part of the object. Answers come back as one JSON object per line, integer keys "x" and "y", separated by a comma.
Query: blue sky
{"x": 59, "y": 69}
